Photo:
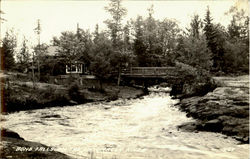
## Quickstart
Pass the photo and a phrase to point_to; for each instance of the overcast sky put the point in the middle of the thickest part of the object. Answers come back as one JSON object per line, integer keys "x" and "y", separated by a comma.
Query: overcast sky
{"x": 57, "y": 16}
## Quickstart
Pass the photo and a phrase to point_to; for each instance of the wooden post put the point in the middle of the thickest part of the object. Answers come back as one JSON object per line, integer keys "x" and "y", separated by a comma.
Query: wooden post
{"x": 119, "y": 75}
{"x": 145, "y": 86}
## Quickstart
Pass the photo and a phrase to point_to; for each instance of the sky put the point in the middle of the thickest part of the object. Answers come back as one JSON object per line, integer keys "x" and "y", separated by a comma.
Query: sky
{"x": 57, "y": 16}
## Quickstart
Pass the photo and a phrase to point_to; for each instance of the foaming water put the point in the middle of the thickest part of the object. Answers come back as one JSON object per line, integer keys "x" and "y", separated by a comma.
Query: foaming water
{"x": 124, "y": 129}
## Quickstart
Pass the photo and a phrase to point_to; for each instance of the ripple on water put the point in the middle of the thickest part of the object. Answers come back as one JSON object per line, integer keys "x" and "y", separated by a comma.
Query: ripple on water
{"x": 128, "y": 129}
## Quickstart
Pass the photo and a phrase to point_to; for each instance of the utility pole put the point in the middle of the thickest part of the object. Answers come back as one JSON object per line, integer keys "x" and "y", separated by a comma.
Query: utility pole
{"x": 1, "y": 19}
{"x": 38, "y": 32}
{"x": 1, "y": 67}
{"x": 1, "y": 49}
{"x": 77, "y": 30}
{"x": 33, "y": 72}
{"x": 1, "y": 27}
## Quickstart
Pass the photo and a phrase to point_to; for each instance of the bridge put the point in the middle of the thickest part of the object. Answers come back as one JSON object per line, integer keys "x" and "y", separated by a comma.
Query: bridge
{"x": 151, "y": 72}
{"x": 151, "y": 75}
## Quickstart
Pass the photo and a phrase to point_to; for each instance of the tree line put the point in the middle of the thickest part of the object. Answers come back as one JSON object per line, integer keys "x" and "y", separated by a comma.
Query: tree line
{"x": 146, "y": 42}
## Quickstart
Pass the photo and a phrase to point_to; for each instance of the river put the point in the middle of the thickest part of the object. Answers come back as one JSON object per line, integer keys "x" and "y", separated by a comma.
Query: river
{"x": 144, "y": 128}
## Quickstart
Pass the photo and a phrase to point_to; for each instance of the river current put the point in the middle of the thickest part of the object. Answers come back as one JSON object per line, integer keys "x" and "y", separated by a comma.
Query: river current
{"x": 144, "y": 128}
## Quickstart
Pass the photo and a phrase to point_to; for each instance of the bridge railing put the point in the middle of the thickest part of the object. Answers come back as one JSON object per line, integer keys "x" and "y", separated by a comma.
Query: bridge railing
{"x": 147, "y": 71}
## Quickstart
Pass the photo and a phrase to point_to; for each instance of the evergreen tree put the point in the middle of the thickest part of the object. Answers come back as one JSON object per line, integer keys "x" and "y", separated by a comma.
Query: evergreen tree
{"x": 195, "y": 26}
{"x": 126, "y": 36}
{"x": 139, "y": 46}
{"x": 214, "y": 42}
{"x": 233, "y": 29}
{"x": 23, "y": 56}
{"x": 117, "y": 12}
{"x": 9, "y": 44}
{"x": 192, "y": 49}
{"x": 96, "y": 33}
{"x": 100, "y": 65}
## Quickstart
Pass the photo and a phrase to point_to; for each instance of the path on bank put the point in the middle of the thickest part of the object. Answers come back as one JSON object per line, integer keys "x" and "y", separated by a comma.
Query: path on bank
{"x": 142, "y": 128}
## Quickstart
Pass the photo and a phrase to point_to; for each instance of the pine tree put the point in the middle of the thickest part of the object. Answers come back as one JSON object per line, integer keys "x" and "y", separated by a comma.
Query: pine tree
{"x": 139, "y": 46}
{"x": 196, "y": 26}
{"x": 102, "y": 47}
{"x": 23, "y": 56}
{"x": 214, "y": 42}
{"x": 117, "y": 12}
{"x": 96, "y": 33}
{"x": 9, "y": 44}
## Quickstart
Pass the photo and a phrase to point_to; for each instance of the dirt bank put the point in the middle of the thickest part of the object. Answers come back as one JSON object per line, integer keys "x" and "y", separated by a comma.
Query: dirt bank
{"x": 225, "y": 110}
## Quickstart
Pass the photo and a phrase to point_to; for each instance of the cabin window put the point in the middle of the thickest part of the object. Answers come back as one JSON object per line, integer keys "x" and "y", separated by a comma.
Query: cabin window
{"x": 74, "y": 68}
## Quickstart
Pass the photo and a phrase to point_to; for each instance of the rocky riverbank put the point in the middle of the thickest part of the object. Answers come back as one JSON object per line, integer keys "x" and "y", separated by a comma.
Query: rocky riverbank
{"x": 20, "y": 95}
{"x": 15, "y": 147}
{"x": 225, "y": 109}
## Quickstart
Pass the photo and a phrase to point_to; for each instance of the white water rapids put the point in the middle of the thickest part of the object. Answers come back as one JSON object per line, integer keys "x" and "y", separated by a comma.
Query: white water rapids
{"x": 143, "y": 128}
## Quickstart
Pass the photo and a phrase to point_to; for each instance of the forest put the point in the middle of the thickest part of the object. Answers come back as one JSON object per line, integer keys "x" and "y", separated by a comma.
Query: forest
{"x": 144, "y": 41}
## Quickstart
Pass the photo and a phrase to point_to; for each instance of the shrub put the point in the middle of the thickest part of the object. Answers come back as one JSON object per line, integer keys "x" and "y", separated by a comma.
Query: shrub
{"x": 18, "y": 97}
{"x": 193, "y": 82}
{"x": 75, "y": 94}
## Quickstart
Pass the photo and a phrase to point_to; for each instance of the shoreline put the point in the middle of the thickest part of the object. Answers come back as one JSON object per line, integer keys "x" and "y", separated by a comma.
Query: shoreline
{"x": 21, "y": 96}
{"x": 224, "y": 110}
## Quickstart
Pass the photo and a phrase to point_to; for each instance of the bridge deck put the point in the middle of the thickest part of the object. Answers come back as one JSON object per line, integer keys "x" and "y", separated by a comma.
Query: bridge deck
{"x": 150, "y": 72}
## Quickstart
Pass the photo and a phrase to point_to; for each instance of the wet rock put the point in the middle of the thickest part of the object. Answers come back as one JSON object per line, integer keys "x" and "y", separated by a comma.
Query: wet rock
{"x": 15, "y": 147}
{"x": 51, "y": 116}
{"x": 189, "y": 126}
{"x": 213, "y": 125}
{"x": 9, "y": 133}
